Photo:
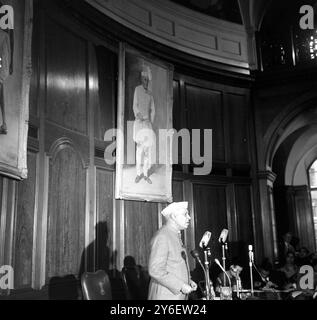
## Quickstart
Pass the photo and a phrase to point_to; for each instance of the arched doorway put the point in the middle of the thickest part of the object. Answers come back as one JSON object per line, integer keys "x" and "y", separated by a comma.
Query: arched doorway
{"x": 292, "y": 163}
{"x": 312, "y": 176}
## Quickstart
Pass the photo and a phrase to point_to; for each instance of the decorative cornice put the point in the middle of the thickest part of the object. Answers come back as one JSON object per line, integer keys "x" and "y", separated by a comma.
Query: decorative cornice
{"x": 180, "y": 28}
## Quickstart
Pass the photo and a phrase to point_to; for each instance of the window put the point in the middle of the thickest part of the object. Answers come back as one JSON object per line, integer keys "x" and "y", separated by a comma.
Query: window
{"x": 313, "y": 189}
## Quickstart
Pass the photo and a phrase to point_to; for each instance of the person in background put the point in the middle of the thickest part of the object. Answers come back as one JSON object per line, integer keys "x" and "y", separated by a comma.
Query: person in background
{"x": 285, "y": 246}
{"x": 290, "y": 270}
{"x": 265, "y": 279}
{"x": 303, "y": 257}
{"x": 234, "y": 273}
{"x": 168, "y": 263}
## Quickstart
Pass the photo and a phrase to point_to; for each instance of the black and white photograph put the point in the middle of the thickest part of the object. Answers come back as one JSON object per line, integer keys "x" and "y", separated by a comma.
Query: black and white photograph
{"x": 158, "y": 150}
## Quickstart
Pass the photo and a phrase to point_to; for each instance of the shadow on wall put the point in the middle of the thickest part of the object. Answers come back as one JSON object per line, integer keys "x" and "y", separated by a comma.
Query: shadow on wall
{"x": 95, "y": 257}
{"x": 97, "y": 253}
{"x": 99, "y": 257}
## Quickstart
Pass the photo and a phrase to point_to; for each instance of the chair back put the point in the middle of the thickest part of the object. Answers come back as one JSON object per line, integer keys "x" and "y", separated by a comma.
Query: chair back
{"x": 135, "y": 282}
{"x": 96, "y": 285}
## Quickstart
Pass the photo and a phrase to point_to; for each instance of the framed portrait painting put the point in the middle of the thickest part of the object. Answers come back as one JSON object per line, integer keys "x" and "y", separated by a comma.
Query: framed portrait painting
{"x": 145, "y": 102}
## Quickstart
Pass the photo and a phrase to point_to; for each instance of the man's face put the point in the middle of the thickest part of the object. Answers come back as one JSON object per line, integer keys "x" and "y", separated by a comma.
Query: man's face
{"x": 145, "y": 82}
{"x": 288, "y": 237}
{"x": 181, "y": 218}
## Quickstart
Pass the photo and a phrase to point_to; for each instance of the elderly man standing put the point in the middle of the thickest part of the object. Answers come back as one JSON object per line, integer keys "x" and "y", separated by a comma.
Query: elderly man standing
{"x": 143, "y": 135}
{"x": 168, "y": 264}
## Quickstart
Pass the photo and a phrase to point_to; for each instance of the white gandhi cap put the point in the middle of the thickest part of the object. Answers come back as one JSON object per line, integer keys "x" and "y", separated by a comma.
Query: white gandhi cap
{"x": 146, "y": 72}
{"x": 175, "y": 207}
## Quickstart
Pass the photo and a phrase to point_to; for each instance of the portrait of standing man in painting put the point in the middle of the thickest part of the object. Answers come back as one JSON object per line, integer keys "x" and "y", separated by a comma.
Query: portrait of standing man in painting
{"x": 143, "y": 135}
{"x": 143, "y": 166}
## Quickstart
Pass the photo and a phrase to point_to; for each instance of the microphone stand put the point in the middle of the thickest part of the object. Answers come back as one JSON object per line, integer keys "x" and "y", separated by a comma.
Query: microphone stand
{"x": 207, "y": 254}
{"x": 251, "y": 269}
{"x": 224, "y": 246}
{"x": 226, "y": 274}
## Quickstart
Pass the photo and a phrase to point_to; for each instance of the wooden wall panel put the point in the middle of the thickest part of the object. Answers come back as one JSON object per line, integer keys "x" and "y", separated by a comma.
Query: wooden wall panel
{"x": 141, "y": 222}
{"x": 66, "y": 214}
{"x": 210, "y": 213}
{"x": 305, "y": 223}
{"x": 238, "y": 113}
{"x": 104, "y": 234}
{"x": 177, "y": 108}
{"x": 205, "y": 111}
{"x": 105, "y": 85}
{"x": 244, "y": 219}
{"x": 177, "y": 190}
{"x": 66, "y": 56}
{"x": 24, "y": 226}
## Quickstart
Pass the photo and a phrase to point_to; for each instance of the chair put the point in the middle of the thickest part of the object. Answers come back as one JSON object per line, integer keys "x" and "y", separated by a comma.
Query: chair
{"x": 96, "y": 286}
{"x": 135, "y": 282}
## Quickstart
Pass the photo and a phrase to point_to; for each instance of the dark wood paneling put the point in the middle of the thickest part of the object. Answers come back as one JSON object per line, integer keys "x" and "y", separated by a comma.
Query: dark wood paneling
{"x": 105, "y": 213}
{"x": 24, "y": 226}
{"x": 205, "y": 111}
{"x": 141, "y": 222}
{"x": 66, "y": 214}
{"x": 66, "y": 56}
{"x": 177, "y": 108}
{"x": 238, "y": 128}
{"x": 106, "y": 78}
{"x": 210, "y": 213}
{"x": 177, "y": 190}
{"x": 304, "y": 215}
{"x": 244, "y": 219}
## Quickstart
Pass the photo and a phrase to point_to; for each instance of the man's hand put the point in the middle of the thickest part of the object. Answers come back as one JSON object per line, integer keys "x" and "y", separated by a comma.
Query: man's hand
{"x": 193, "y": 285}
{"x": 186, "y": 289}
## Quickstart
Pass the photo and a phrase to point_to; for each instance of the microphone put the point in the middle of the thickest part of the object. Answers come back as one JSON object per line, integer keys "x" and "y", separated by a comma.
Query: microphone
{"x": 195, "y": 255}
{"x": 205, "y": 240}
{"x": 221, "y": 267}
{"x": 223, "y": 236}
{"x": 251, "y": 256}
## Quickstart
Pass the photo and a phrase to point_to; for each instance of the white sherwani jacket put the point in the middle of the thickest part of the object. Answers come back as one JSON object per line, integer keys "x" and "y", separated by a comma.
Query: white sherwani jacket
{"x": 168, "y": 266}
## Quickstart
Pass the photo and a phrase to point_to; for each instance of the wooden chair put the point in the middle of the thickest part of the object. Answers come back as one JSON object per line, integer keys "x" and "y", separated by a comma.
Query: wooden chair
{"x": 96, "y": 286}
{"x": 135, "y": 283}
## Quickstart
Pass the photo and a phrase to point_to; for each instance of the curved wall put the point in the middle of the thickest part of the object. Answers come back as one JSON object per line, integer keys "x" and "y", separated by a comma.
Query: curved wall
{"x": 181, "y": 28}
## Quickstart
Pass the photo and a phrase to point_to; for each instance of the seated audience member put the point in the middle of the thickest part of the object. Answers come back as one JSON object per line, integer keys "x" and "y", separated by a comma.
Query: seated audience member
{"x": 290, "y": 270}
{"x": 285, "y": 246}
{"x": 234, "y": 275}
{"x": 303, "y": 257}
{"x": 262, "y": 280}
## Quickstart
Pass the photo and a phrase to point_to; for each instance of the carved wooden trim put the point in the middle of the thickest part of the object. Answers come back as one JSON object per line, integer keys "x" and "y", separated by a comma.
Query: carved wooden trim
{"x": 62, "y": 144}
